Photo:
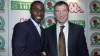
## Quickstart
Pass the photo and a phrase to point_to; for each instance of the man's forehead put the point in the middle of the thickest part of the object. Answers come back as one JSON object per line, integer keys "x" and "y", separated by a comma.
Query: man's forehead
{"x": 37, "y": 6}
{"x": 37, "y": 3}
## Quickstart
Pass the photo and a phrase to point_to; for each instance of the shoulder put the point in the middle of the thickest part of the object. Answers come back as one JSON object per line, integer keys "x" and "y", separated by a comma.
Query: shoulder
{"x": 20, "y": 25}
{"x": 51, "y": 27}
{"x": 76, "y": 26}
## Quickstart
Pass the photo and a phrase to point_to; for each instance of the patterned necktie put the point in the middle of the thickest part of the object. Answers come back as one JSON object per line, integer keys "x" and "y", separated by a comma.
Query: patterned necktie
{"x": 62, "y": 46}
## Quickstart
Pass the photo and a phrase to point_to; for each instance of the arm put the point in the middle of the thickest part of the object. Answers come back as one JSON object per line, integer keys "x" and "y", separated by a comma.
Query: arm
{"x": 19, "y": 41}
{"x": 83, "y": 50}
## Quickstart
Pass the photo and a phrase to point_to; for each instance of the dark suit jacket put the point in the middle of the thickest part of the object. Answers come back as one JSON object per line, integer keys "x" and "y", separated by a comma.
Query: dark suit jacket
{"x": 26, "y": 40}
{"x": 76, "y": 41}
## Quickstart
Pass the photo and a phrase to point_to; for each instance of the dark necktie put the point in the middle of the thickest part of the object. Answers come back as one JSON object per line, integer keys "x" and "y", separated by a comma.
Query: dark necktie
{"x": 62, "y": 45}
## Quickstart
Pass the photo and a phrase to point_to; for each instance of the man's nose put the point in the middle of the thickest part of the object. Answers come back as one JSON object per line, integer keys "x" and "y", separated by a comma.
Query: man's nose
{"x": 61, "y": 13}
{"x": 39, "y": 13}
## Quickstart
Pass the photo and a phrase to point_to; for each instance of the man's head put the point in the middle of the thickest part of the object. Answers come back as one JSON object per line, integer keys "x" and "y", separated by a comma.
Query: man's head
{"x": 37, "y": 11}
{"x": 61, "y": 11}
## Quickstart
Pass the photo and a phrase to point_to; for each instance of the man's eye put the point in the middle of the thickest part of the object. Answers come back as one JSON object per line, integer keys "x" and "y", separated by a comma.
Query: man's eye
{"x": 57, "y": 11}
{"x": 65, "y": 10}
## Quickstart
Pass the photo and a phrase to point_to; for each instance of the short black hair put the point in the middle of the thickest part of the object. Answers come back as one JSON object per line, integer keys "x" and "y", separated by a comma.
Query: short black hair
{"x": 61, "y": 3}
{"x": 35, "y": 2}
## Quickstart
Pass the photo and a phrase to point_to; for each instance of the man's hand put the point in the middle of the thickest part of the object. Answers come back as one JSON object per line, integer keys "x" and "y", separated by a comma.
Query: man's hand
{"x": 43, "y": 53}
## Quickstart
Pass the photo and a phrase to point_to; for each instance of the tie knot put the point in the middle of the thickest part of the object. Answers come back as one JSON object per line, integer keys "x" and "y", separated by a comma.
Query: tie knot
{"x": 62, "y": 27}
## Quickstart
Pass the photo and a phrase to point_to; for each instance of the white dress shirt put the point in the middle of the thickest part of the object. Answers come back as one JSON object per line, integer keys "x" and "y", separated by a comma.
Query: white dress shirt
{"x": 65, "y": 30}
{"x": 37, "y": 26}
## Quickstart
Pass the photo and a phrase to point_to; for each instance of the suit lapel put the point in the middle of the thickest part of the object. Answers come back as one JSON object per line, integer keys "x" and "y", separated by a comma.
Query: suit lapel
{"x": 70, "y": 36}
{"x": 42, "y": 31}
{"x": 33, "y": 28}
{"x": 54, "y": 38}
{"x": 42, "y": 35}
{"x": 54, "y": 35}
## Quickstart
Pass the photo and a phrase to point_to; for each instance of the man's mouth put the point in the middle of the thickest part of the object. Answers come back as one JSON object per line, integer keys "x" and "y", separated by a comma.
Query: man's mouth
{"x": 38, "y": 17}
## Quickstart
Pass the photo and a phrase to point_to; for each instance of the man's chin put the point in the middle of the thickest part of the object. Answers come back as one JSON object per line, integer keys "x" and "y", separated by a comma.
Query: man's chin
{"x": 38, "y": 21}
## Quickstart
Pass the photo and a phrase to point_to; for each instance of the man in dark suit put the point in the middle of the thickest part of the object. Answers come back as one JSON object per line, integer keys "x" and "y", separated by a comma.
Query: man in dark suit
{"x": 28, "y": 36}
{"x": 73, "y": 35}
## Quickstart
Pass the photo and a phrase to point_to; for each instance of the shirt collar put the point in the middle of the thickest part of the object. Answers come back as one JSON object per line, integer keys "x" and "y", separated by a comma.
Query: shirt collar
{"x": 66, "y": 24}
{"x": 34, "y": 22}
